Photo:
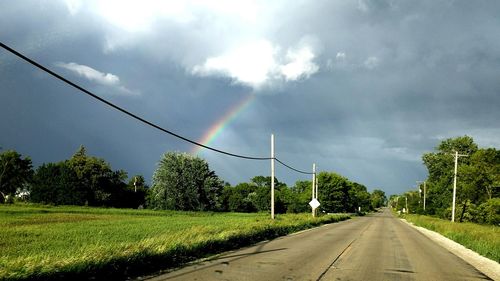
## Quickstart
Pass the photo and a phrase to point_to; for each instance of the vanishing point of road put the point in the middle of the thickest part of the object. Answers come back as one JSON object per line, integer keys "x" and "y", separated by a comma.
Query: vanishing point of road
{"x": 375, "y": 247}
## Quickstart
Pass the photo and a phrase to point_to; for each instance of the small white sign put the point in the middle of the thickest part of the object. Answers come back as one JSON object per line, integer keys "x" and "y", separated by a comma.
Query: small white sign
{"x": 314, "y": 203}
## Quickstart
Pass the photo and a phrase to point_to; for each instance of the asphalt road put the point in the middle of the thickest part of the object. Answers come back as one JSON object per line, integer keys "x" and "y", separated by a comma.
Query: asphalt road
{"x": 375, "y": 247}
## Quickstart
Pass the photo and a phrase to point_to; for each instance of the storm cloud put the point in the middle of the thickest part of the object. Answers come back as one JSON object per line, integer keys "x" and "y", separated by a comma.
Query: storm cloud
{"x": 363, "y": 88}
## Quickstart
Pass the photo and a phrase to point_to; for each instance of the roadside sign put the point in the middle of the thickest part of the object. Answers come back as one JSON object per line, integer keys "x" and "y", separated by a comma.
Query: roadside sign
{"x": 314, "y": 203}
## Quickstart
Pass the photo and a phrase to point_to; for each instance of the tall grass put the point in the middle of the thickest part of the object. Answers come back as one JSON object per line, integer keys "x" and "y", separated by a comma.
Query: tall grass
{"x": 47, "y": 243}
{"x": 483, "y": 239}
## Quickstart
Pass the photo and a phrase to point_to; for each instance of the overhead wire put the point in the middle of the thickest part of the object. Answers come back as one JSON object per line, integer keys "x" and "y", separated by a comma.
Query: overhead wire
{"x": 292, "y": 168}
{"x": 134, "y": 116}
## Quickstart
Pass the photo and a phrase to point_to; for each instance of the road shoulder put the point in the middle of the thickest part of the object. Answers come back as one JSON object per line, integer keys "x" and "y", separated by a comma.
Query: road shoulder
{"x": 488, "y": 267}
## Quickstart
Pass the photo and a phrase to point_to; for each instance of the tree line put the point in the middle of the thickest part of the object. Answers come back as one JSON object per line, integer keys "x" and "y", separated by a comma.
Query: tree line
{"x": 180, "y": 182}
{"x": 80, "y": 180}
{"x": 478, "y": 183}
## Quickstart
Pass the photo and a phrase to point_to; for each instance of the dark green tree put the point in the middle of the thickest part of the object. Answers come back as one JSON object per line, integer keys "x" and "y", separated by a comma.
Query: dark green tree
{"x": 262, "y": 198}
{"x": 361, "y": 197}
{"x": 440, "y": 165}
{"x": 82, "y": 180}
{"x": 378, "y": 198}
{"x": 241, "y": 198}
{"x": 136, "y": 192}
{"x": 57, "y": 183}
{"x": 299, "y": 196}
{"x": 101, "y": 185}
{"x": 185, "y": 182}
{"x": 15, "y": 173}
{"x": 334, "y": 193}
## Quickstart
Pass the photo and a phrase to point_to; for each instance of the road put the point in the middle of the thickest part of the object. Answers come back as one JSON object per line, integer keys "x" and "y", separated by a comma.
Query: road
{"x": 375, "y": 247}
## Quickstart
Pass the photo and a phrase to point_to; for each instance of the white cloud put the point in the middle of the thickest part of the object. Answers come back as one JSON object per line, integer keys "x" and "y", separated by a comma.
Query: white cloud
{"x": 300, "y": 65}
{"x": 208, "y": 38}
{"x": 138, "y": 16}
{"x": 73, "y": 6}
{"x": 259, "y": 63}
{"x": 250, "y": 64}
{"x": 91, "y": 74}
{"x": 339, "y": 61}
{"x": 371, "y": 62}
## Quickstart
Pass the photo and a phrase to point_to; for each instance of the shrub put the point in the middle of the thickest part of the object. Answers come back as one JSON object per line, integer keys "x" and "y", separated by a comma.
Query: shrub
{"x": 489, "y": 212}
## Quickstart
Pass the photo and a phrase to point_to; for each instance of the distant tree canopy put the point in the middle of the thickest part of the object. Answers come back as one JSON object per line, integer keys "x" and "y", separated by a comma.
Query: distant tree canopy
{"x": 478, "y": 183}
{"x": 185, "y": 182}
{"x": 180, "y": 182}
{"x": 337, "y": 194}
{"x": 378, "y": 198}
{"x": 84, "y": 180}
{"x": 57, "y": 183}
{"x": 15, "y": 173}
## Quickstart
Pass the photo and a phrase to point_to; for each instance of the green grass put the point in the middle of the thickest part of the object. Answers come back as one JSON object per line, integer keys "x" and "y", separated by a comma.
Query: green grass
{"x": 483, "y": 239}
{"x": 47, "y": 243}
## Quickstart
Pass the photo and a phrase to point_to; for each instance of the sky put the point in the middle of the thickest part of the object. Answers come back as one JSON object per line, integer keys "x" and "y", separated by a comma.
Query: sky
{"x": 361, "y": 88}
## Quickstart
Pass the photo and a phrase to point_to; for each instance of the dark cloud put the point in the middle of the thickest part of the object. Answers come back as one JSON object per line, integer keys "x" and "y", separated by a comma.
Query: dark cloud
{"x": 394, "y": 78}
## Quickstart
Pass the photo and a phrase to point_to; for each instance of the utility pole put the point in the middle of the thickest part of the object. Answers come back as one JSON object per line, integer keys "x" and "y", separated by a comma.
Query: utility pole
{"x": 313, "y": 188}
{"x": 420, "y": 190}
{"x": 425, "y": 192}
{"x": 455, "y": 184}
{"x": 407, "y": 210}
{"x": 317, "y": 188}
{"x": 272, "y": 176}
{"x": 316, "y": 191}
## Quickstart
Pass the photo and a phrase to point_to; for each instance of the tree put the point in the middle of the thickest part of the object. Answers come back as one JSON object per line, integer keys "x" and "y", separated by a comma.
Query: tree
{"x": 361, "y": 197}
{"x": 136, "y": 192}
{"x": 185, "y": 182}
{"x": 298, "y": 197}
{"x": 378, "y": 198}
{"x": 15, "y": 173}
{"x": 262, "y": 198}
{"x": 478, "y": 181}
{"x": 440, "y": 166}
{"x": 82, "y": 180}
{"x": 101, "y": 185}
{"x": 333, "y": 193}
{"x": 484, "y": 172}
{"x": 57, "y": 183}
{"x": 241, "y": 198}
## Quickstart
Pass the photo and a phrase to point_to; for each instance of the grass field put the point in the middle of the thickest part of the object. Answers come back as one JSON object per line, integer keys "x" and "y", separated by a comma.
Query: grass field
{"x": 47, "y": 243}
{"x": 483, "y": 239}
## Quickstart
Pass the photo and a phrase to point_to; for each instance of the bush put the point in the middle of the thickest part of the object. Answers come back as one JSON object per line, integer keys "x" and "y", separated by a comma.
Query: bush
{"x": 489, "y": 212}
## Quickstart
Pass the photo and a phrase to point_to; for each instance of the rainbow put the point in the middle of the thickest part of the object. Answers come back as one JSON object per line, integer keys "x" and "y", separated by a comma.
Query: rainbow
{"x": 214, "y": 131}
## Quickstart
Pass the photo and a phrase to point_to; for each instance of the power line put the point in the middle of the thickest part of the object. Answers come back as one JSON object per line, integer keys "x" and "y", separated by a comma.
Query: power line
{"x": 134, "y": 116}
{"x": 122, "y": 109}
{"x": 291, "y": 168}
